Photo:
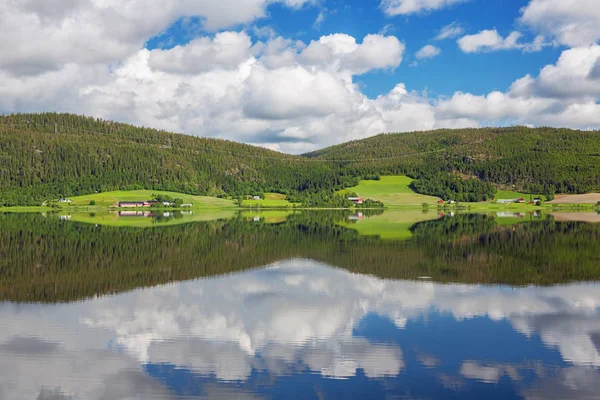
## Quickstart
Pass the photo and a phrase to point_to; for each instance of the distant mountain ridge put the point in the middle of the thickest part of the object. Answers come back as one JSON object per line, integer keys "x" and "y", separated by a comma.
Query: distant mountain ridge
{"x": 48, "y": 155}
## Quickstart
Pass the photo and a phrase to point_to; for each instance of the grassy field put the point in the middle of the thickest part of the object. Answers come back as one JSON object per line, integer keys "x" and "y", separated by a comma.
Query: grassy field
{"x": 113, "y": 218}
{"x": 391, "y": 191}
{"x": 271, "y": 200}
{"x": 108, "y": 199}
{"x": 391, "y": 225}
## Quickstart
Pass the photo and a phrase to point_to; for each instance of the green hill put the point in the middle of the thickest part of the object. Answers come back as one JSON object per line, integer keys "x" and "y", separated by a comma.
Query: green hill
{"x": 541, "y": 160}
{"x": 47, "y": 156}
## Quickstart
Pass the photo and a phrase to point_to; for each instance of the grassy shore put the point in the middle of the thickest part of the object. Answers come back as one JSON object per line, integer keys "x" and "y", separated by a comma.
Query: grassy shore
{"x": 393, "y": 191}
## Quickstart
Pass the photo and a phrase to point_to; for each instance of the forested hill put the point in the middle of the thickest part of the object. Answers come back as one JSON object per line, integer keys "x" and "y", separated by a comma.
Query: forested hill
{"x": 538, "y": 160}
{"x": 46, "y": 156}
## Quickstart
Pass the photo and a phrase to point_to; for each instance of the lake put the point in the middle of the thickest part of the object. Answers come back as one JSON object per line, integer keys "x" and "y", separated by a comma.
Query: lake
{"x": 299, "y": 305}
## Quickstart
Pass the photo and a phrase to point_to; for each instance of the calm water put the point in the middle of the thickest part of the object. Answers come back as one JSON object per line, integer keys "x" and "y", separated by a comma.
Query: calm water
{"x": 303, "y": 305}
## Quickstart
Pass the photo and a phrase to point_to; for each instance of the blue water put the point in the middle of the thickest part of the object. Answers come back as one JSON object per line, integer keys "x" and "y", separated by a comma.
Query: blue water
{"x": 299, "y": 329}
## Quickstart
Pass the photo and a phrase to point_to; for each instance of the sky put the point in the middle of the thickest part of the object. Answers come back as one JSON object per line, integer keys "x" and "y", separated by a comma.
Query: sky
{"x": 299, "y": 75}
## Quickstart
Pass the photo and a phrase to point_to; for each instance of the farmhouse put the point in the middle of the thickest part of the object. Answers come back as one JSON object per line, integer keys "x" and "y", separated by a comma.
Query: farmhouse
{"x": 356, "y": 200}
{"x": 64, "y": 201}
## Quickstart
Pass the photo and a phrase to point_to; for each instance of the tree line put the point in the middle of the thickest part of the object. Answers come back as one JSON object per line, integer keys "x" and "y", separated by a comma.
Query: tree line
{"x": 46, "y": 156}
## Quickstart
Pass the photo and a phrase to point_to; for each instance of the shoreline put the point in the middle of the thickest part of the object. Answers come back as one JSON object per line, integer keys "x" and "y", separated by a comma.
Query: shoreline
{"x": 468, "y": 207}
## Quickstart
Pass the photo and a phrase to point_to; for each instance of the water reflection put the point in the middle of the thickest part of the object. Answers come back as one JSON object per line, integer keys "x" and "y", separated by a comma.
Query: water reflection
{"x": 303, "y": 329}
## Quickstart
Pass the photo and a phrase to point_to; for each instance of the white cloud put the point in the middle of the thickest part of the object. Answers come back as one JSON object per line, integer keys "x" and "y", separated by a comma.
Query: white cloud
{"x": 571, "y": 77}
{"x": 428, "y": 51}
{"x": 341, "y": 52}
{"x": 227, "y": 50}
{"x": 571, "y": 22}
{"x": 47, "y": 35}
{"x": 404, "y": 7}
{"x": 488, "y": 40}
{"x": 293, "y": 92}
{"x": 564, "y": 94}
{"x": 450, "y": 31}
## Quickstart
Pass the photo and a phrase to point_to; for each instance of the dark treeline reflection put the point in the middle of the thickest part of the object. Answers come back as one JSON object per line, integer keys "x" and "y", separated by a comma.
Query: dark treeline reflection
{"x": 48, "y": 260}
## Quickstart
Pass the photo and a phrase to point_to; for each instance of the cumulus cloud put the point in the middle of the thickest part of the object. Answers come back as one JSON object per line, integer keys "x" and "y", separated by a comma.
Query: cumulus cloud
{"x": 405, "y": 7}
{"x": 573, "y": 76}
{"x": 226, "y": 51}
{"x": 428, "y": 51}
{"x": 46, "y": 35}
{"x": 563, "y": 94}
{"x": 341, "y": 52}
{"x": 228, "y": 87}
{"x": 570, "y": 22}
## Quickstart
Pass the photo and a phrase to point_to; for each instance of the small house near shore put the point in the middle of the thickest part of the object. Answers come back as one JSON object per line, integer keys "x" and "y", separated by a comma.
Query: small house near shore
{"x": 356, "y": 200}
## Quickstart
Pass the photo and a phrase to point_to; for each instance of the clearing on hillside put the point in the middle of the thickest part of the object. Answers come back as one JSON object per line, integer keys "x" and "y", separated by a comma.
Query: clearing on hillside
{"x": 391, "y": 191}
{"x": 108, "y": 199}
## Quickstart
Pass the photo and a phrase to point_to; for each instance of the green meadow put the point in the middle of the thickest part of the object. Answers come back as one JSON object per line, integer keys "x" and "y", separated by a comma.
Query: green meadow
{"x": 391, "y": 191}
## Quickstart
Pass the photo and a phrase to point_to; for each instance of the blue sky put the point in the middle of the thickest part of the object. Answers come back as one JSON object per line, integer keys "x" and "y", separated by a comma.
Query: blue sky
{"x": 452, "y": 71}
{"x": 298, "y": 75}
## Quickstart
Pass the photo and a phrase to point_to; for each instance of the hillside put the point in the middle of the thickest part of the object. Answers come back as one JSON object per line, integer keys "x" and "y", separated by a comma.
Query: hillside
{"x": 536, "y": 160}
{"x": 46, "y": 156}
